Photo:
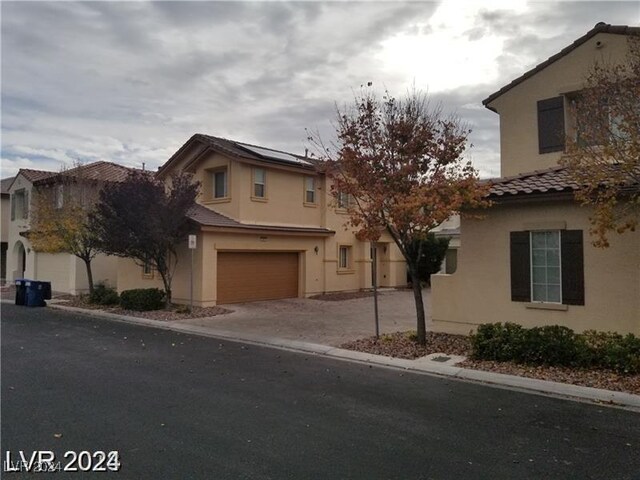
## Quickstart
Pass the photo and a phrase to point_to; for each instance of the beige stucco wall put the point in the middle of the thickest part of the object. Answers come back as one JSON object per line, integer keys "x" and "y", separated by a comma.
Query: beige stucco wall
{"x": 58, "y": 268}
{"x": 284, "y": 205}
{"x": 319, "y": 271}
{"x": 5, "y": 219}
{"x": 479, "y": 291}
{"x": 518, "y": 106}
{"x": 16, "y": 227}
{"x": 284, "y": 202}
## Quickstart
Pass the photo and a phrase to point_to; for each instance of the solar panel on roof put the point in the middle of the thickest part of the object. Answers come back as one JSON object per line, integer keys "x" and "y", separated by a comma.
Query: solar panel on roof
{"x": 274, "y": 154}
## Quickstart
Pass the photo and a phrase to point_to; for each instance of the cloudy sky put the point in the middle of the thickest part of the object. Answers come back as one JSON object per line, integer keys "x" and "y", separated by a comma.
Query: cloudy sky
{"x": 130, "y": 82}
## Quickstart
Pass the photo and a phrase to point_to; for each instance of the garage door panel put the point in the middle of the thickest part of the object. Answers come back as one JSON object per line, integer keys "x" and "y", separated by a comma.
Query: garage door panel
{"x": 251, "y": 276}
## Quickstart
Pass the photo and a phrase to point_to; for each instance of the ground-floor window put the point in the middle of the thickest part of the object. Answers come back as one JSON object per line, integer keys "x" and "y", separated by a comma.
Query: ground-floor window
{"x": 547, "y": 266}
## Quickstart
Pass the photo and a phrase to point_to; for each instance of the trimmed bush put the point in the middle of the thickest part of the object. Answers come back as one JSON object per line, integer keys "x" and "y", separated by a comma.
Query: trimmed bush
{"x": 103, "y": 295}
{"x": 556, "y": 345}
{"x": 550, "y": 345}
{"x": 495, "y": 341}
{"x": 142, "y": 299}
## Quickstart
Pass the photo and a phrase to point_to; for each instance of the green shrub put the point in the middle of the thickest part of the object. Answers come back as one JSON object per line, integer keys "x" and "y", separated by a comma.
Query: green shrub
{"x": 103, "y": 295}
{"x": 550, "y": 345}
{"x": 142, "y": 299}
{"x": 556, "y": 345}
{"x": 612, "y": 350}
{"x": 495, "y": 341}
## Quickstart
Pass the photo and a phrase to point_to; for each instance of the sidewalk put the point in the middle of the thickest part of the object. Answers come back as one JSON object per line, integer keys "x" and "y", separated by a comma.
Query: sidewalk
{"x": 434, "y": 364}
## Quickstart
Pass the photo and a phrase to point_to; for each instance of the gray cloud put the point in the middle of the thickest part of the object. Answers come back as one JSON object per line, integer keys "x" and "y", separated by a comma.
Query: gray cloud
{"x": 131, "y": 81}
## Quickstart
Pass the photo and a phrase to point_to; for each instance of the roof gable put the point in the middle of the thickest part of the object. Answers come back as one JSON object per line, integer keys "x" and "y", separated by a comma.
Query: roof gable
{"x": 238, "y": 150}
{"x": 599, "y": 28}
{"x": 30, "y": 175}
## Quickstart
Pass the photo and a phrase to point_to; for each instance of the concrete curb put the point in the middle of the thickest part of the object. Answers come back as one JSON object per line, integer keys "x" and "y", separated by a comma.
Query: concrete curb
{"x": 530, "y": 385}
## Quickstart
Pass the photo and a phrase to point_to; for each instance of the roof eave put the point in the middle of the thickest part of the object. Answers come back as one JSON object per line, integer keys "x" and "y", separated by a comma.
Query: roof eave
{"x": 599, "y": 28}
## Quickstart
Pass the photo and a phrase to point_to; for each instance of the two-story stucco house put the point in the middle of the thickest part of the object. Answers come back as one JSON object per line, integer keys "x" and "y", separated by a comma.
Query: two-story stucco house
{"x": 267, "y": 228}
{"x": 4, "y": 226}
{"x": 66, "y": 272}
{"x": 531, "y": 260}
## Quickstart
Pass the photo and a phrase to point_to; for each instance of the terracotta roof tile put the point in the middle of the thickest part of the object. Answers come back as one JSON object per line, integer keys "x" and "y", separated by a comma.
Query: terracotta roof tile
{"x": 35, "y": 175}
{"x": 552, "y": 180}
{"x": 98, "y": 171}
{"x": 210, "y": 218}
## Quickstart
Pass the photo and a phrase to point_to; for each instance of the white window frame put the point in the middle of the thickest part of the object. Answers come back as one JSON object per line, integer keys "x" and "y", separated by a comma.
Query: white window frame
{"x": 531, "y": 265}
{"x": 345, "y": 249}
{"x": 343, "y": 200}
{"x": 257, "y": 183}
{"x": 214, "y": 185}
{"x": 308, "y": 191}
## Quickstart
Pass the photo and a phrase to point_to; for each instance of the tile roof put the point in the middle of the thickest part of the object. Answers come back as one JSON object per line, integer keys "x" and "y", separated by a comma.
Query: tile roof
{"x": 246, "y": 151}
{"x": 5, "y": 183}
{"x": 600, "y": 27}
{"x": 97, "y": 171}
{"x": 210, "y": 218}
{"x": 207, "y": 217}
{"x": 35, "y": 175}
{"x": 551, "y": 180}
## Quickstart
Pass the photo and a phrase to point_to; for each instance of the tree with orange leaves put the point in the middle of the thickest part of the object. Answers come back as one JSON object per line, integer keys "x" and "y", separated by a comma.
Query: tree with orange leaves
{"x": 400, "y": 162}
{"x": 603, "y": 154}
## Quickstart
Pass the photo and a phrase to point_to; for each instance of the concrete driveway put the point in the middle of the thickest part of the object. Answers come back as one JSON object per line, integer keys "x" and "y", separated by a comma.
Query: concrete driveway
{"x": 319, "y": 321}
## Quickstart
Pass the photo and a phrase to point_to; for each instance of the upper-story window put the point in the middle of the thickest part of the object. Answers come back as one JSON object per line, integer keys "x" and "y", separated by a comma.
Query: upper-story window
{"x": 309, "y": 190}
{"x": 59, "y": 196}
{"x": 551, "y": 132}
{"x": 599, "y": 122}
{"x": 259, "y": 183}
{"x": 20, "y": 204}
{"x": 220, "y": 183}
{"x": 343, "y": 200}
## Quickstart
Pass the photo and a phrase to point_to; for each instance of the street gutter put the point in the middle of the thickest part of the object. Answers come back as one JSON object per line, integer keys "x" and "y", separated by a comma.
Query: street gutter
{"x": 422, "y": 365}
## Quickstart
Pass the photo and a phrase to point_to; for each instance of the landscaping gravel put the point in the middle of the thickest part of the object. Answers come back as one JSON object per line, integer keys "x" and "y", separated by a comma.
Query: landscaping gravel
{"x": 175, "y": 312}
{"x": 403, "y": 345}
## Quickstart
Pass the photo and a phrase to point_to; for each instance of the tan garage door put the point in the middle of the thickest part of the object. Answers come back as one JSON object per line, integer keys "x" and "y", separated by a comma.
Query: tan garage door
{"x": 250, "y": 276}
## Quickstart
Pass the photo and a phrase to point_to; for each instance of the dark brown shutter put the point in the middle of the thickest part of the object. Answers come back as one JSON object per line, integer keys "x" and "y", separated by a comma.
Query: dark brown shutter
{"x": 13, "y": 206}
{"x": 551, "y": 125}
{"x": 520, "y": 267}
{"x": 572, "y": 267}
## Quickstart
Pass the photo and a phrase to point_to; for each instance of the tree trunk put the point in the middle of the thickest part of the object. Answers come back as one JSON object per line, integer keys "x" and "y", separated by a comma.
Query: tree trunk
{"x": 87, "y": 264}
{"x": 167, "y": 288}
{"x": 417, "y": 296}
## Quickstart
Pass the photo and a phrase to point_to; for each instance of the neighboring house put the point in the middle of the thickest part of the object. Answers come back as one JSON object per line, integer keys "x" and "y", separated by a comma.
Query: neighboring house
{"x": 450, "y": 229}
{"x": 530, "y": 260}
{"x": 66, "y": 272}
{"x": 4, "y": 227}
{"x": 267, "y": 227}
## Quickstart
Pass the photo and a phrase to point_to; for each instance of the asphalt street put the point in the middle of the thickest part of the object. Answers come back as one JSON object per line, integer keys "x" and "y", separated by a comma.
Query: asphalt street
{"x": 177, "y": 406}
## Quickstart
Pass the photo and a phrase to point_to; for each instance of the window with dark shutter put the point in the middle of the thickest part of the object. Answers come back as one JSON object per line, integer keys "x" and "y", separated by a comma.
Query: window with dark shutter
{"x": 520, "y": 267}
{"x": 13, "y": 206}
{"x": 571, "y": 262}
{"x": 551, "y": 125}
{"x": 572, "y": 267}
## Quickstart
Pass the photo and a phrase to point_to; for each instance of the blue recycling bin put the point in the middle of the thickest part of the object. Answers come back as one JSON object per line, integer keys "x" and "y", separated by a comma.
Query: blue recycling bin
{"x": 21, "y": 291}
{"x": 35, "y": 294}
